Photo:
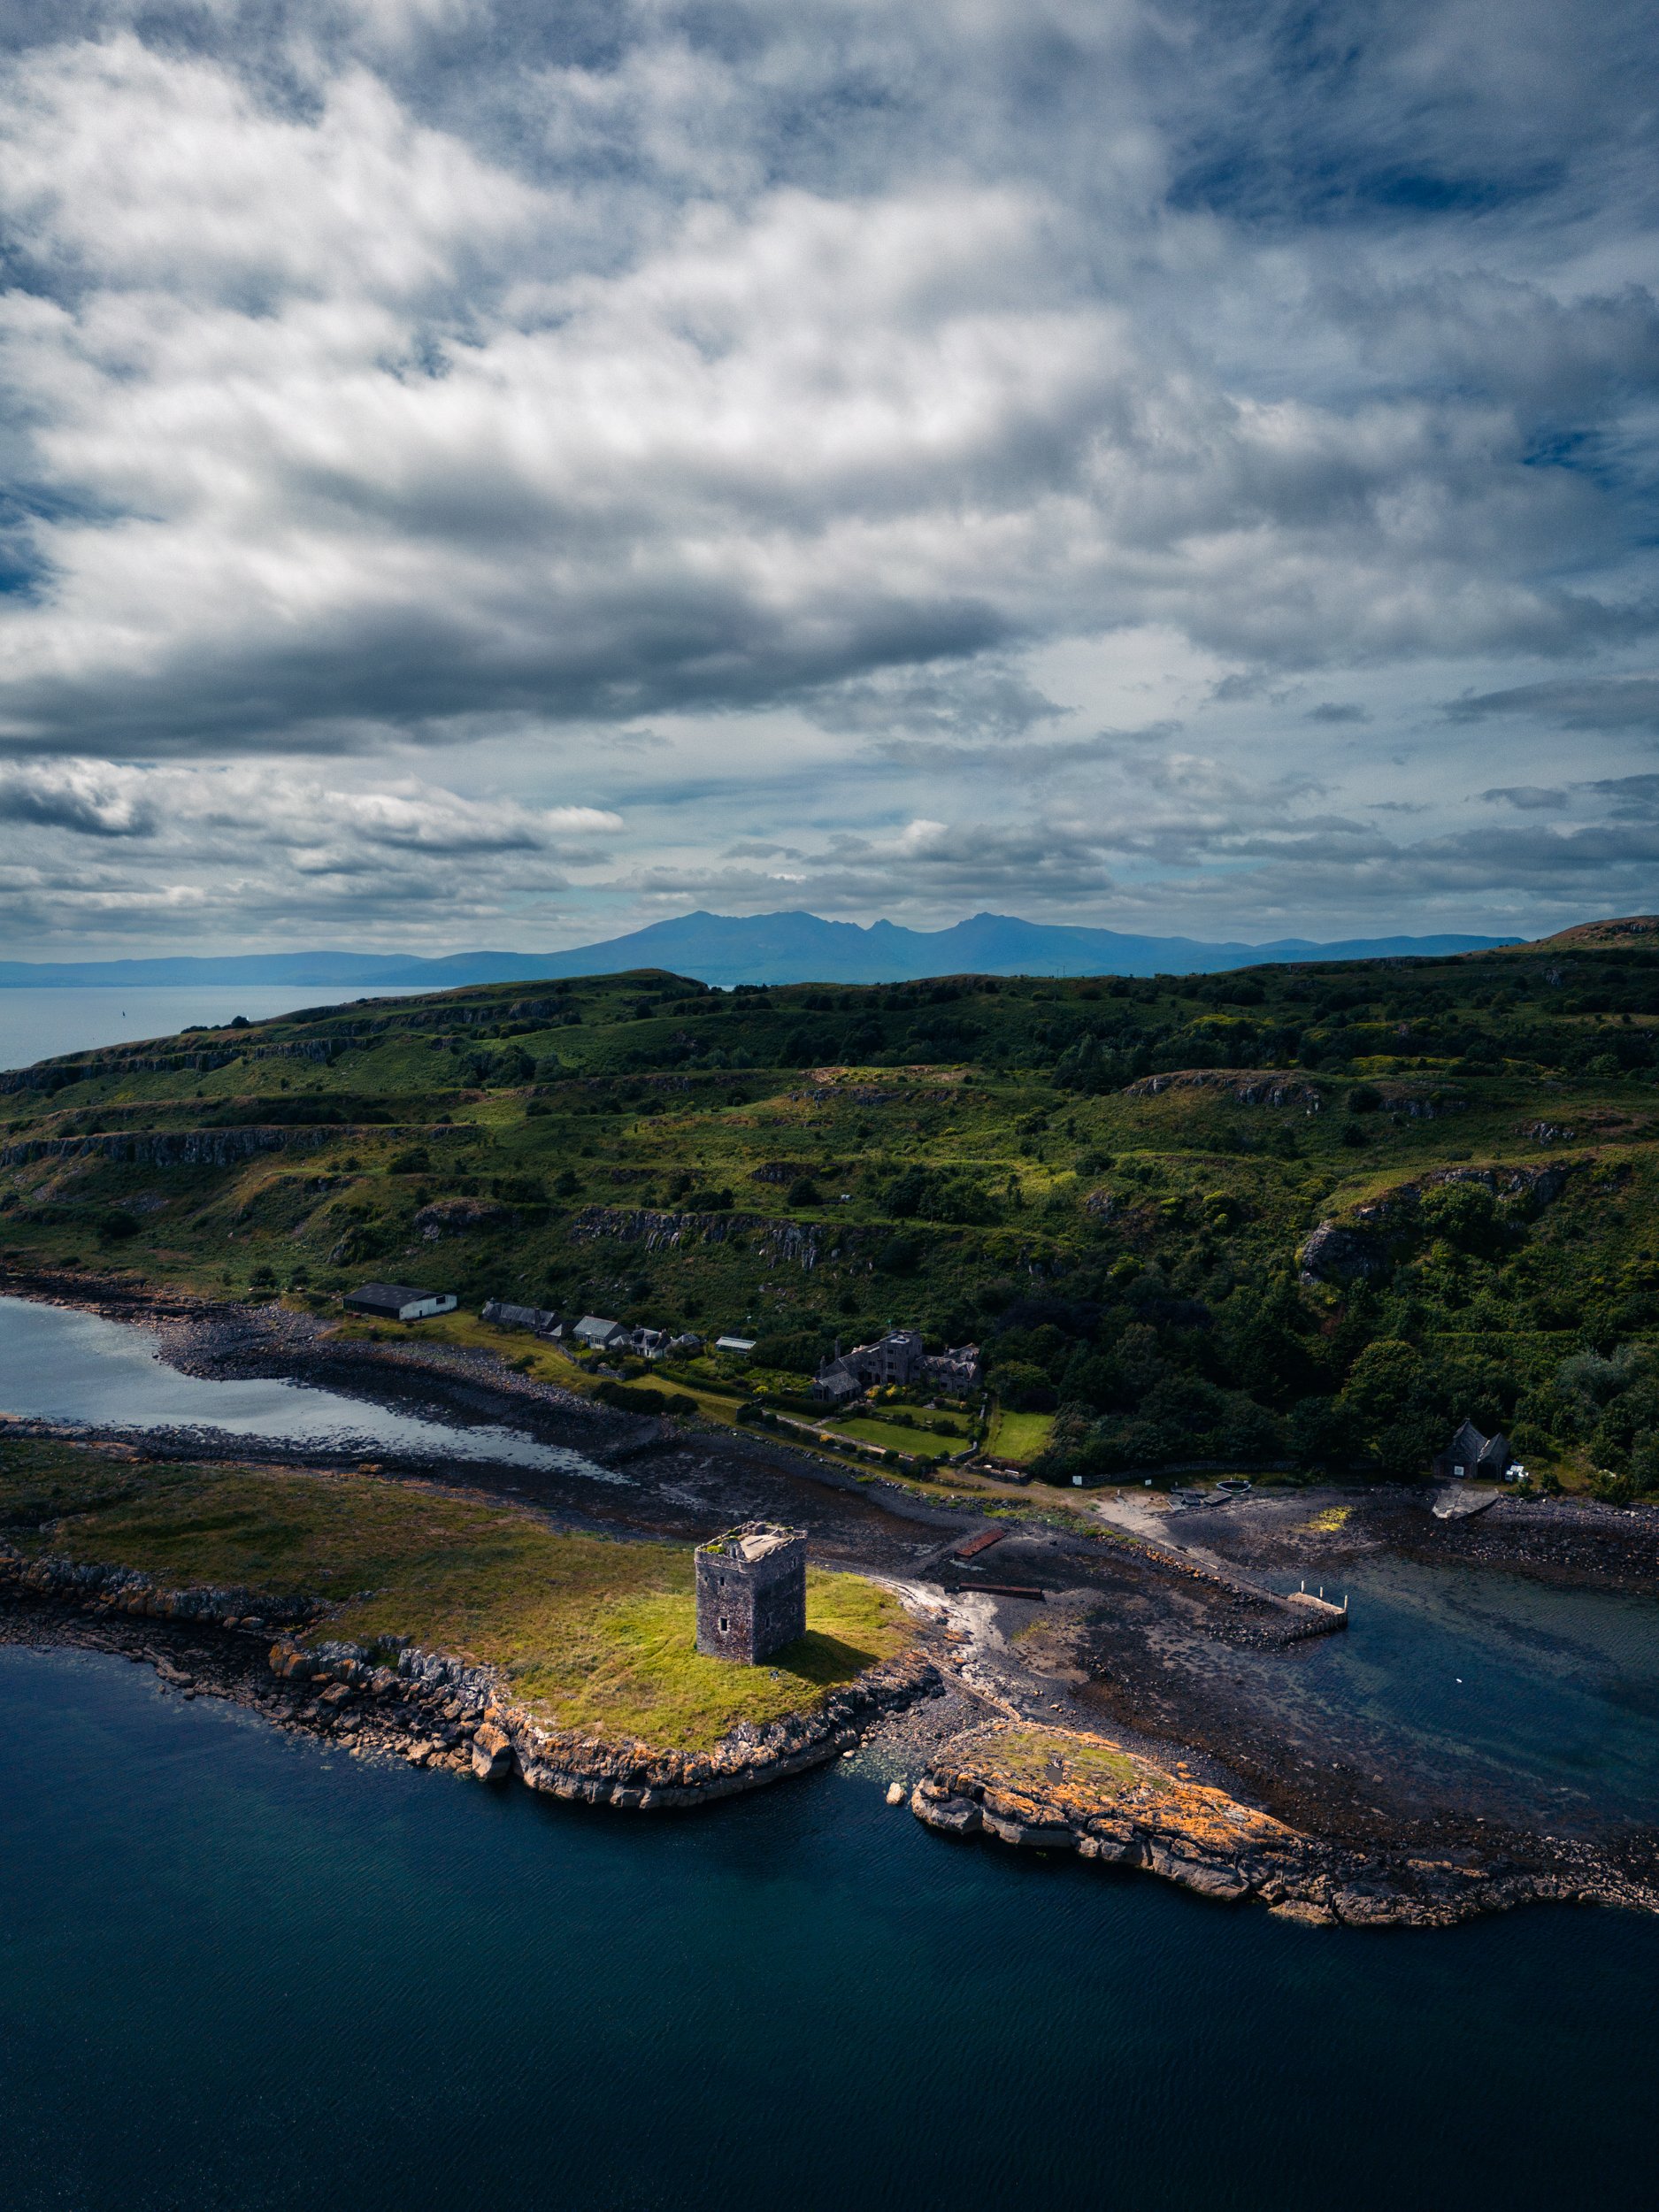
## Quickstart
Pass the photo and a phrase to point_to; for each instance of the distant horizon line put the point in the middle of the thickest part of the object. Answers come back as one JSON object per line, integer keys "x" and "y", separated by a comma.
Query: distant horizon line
{"x": 46, "y": 969}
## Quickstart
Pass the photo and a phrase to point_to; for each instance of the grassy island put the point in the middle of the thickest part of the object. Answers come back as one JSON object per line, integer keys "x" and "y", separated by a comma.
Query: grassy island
{"x": 589, "y": 1634}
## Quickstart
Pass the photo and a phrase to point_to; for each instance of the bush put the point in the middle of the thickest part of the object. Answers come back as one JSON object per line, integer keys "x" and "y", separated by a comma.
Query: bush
{"x": 1464, "y": 1214}
{"x": 797, "y": 1352}
{"x": 117, "y": 1225}
{"x": 1022, "y": 1387}
{"x": 803, "y": 1191}
{"x": 928, "y": 1194}
{"x": 414, "y": 1160}
{"x": 1611, "y": 1487}
{"x": 899, "y": 1255}
{"x": 632, "y": 1398}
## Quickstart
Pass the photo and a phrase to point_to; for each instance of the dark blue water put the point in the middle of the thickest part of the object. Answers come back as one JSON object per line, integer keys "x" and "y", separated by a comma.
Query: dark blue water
{"x": 57, "y": 1364}
{"x": 1542, "y": 1703}
{"x": 239, "y": 1972}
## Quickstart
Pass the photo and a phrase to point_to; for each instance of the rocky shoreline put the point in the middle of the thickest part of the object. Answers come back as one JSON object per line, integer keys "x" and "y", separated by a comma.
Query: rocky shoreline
{"x": 1060, "y": 1789}
{"x": 1127, "y": 1632}
{"x": 429, "y": 1707}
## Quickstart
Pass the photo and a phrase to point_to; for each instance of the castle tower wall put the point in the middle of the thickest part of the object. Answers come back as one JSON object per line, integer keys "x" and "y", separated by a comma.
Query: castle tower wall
{"x": 751, "y": 1592}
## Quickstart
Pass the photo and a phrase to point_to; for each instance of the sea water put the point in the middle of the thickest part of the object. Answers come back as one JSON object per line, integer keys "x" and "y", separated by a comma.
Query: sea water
{"x": 242, "y": 1970}
{"x": 57, "y": 1364}
{"x": 39, "y": 1023}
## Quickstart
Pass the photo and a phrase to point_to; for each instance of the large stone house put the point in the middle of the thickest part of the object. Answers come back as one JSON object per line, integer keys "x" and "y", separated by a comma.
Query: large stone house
{"x": 897, "y": 1358}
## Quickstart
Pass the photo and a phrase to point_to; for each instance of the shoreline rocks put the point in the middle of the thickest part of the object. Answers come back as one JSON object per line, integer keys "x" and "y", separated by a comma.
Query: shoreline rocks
{"x": 434, "y": 1709}
{"x": 1051, "y": 1789}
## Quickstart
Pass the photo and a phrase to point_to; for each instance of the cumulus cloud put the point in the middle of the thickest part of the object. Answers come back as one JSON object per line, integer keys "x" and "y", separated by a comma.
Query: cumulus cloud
{"x": 274, "y": 847}
{"x": 840, "y": 415}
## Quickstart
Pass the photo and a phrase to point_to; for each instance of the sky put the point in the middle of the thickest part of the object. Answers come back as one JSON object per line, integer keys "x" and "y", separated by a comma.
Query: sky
{"x": 496, "y": 473}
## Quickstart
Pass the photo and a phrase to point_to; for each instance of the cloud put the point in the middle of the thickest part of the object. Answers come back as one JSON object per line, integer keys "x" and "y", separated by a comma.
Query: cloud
{"x": 1530, "y": 797}
{"x": 951, "y": 414}
{"x": 92, "y": 798}
{"x": 356, "y": 411}
{"x": 279, "y": 848}
{"x": 1613, "y": 702}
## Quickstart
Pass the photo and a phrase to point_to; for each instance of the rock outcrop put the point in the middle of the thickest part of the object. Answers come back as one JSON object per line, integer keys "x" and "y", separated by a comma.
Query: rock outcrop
{"x": 174, "y": 1147}
{"x": 1245, "y": 1086}
{"x": 1061, "y": 1790}
{"x": 1334, "y": 1254}
{"x": 502, "y": 1738}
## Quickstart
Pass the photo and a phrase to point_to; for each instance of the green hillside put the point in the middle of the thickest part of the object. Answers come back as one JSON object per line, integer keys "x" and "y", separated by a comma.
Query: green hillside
{"x": 1111, "y": 1184}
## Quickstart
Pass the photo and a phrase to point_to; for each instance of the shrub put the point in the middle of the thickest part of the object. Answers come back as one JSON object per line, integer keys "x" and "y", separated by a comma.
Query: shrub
{"x": 632, "y": 1398}
{"x": 797, "y": 1352}
{"x": 803, "y": 1191}
{"x": 1464, "y": 1214}
{"x": 899, "y": 1255}
{"x": 1022, "y": 1387}
{"x": 117, "y": 1225}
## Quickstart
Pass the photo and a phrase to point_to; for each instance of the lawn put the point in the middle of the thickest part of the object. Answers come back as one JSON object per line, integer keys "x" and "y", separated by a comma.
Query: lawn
{"x": 895, "y": 1438}
{"x": 1019, "y": 1437}
{"x": 590, "y": 1634}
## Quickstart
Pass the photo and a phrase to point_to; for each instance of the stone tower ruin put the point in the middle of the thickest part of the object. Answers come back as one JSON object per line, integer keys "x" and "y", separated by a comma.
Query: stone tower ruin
{"x": 751, "y": 1592}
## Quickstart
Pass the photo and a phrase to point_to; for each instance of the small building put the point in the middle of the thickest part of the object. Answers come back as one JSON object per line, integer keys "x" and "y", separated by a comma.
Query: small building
{"x": 599, "y": 1334}
{"x": 836, "y": 1385}
{"x": 751, "y": 1592}
{"x": 739, "y": 1347}
{"x": 1470, "y": 1454}
{"x": 397, "y": 1302}
{"x": 540, "y": 1320}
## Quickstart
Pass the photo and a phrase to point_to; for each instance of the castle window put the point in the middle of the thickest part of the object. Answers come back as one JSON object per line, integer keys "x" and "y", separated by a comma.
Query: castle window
{"x": 725, "y": 1624}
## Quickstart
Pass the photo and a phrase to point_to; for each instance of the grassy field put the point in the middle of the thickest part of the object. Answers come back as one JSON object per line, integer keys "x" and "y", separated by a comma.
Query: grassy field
{"x": 894, "y": 1437}
{"x": 1019, "y": 1437}
{"x": 590, "y": 1635}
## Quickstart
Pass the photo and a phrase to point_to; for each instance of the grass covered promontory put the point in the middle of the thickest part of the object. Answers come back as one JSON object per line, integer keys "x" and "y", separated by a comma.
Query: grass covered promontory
{"x": 589, "y": 1634}
{"x": 1305, "y": 1215}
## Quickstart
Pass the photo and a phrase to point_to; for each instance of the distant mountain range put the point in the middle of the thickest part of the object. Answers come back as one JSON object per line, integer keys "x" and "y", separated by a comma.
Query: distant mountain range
{"x": 750, "y": 948}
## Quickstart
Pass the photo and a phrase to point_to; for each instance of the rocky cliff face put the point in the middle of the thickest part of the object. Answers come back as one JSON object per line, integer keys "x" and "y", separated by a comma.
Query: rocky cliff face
{"x": 173, "y": 1148}
{"x": 1059, "y": 1790}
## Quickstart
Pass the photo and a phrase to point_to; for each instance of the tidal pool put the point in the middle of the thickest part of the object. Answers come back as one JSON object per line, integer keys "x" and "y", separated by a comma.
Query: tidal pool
{"x": 57, "y": 1364}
